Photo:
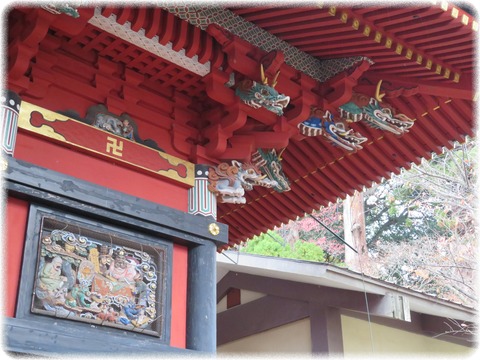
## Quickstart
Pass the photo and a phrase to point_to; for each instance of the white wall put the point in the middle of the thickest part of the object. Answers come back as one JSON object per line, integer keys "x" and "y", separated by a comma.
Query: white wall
{"x": 290, "y": 338}
{"x": 361, "y": 338}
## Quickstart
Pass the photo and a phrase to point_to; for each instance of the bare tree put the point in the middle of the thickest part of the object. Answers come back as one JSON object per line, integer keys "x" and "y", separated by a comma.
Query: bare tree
{"x": 442, "y": 262}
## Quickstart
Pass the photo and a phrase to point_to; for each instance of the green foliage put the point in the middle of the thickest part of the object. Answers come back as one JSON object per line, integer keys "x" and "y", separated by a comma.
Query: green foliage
{"x": 269, "y": 244}
{"x": 304, "y": 250}
{"x": 272, "y": 244}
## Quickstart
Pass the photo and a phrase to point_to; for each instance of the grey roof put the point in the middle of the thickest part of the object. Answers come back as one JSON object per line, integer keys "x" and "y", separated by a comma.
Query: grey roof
{"x": 329, "y": 275}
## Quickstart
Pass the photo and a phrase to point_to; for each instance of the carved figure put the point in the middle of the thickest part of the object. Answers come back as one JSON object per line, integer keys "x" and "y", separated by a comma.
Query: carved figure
{"x": 132, "y": 312}
{"x": 262, "y": 95}
{"x": 80, "y": 294}
{"x": 377, "y": 114}
{"x": 88, "y": 280}
{"x": 51, "y": 278}
{"x": 270, "y": 164}
{"x": 122, "y": 269}
{"x": 121, "y": 125}
{"x": 127, "y": 130}
{"x": 108, "y": 314}
{"x": 321, "y": 123}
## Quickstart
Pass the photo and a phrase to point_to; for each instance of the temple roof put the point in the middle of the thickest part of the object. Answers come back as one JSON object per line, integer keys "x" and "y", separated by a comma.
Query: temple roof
{"x": 417, "y": 59}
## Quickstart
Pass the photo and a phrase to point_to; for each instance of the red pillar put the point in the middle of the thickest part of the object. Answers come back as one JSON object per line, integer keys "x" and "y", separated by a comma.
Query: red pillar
{"x": 15, "y": 223}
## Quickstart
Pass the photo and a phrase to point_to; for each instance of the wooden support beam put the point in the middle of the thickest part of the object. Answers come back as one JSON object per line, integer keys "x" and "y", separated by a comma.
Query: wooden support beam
{"x": 380, "y": 305}
{"x": 325, "y": 330}
{"x": 257, "y": 316}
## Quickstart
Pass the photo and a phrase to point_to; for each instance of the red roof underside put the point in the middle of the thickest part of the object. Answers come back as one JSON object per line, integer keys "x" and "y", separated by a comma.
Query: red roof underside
{"x": 318, "y": 172}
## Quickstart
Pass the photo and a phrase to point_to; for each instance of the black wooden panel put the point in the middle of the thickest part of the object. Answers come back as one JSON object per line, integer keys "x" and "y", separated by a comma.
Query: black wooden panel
{"x": 34, "y": 337}
{"x": 39, "y": 184}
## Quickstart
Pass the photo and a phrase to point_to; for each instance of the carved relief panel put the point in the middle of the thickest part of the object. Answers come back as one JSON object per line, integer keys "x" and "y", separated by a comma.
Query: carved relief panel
{"x": 99, "y": 276}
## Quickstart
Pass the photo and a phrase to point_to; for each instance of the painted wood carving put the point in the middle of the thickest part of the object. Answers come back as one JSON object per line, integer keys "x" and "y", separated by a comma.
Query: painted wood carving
{"x": 229, "y": 182}
{"x": 264, "y": 95}
{"x": 58, "y": 9}
{"x": 322, "y": 123}
{"x": 375, "y": 112}
{"x": 105, "y": 142}
{"x": 121, "y": 125}
{"x": 92, "y": 276}
{"x": 270, "y": 164}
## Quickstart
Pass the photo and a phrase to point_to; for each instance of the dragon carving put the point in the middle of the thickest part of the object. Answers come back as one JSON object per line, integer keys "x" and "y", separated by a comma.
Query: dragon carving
{"x": 321, "y": 123}
{"x": 375, "y": 112}
{"x": 259, "y": 95}
{"x": 229, "y": 182}
{"x": 270, "y": 164}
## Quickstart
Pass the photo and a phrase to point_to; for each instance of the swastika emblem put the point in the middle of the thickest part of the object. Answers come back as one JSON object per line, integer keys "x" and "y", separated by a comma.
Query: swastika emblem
{"x": 114, "y": 146}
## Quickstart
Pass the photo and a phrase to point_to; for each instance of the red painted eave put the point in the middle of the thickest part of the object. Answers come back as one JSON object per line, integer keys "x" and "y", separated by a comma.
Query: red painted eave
{"x": 425, "y": 56}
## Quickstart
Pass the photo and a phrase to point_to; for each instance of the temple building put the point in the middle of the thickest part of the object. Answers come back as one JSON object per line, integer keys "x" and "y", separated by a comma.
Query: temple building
{"x": 139, "y": 142}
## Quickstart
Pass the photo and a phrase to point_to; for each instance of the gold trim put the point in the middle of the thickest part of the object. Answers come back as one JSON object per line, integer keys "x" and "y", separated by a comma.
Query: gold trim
{"x": 446, "y": 75}
{"x": 388, "y": 43}
{"x": 356, "y": 24}
{"x": 438, "y": 69}
{"x": 332, "y": 10}
{"x": 474, "y": 25}
{"x": 409, "y": 54}
{"x": 428, "y": 65}
{"x": 456, "y": 77}
{"x": 344, "y": 17}
{"x": 399, "y": 49}
{"x": 24, "y": 123}
{"x": 465, "y": 19}
{"x": 444, "y": 5}
{"x": 378, "y": 36}
{"x": 366, "y": 30}
{"x": 214, "y": 229}
{"x": 419, "y": 59}
{"x": 454, "y": 13}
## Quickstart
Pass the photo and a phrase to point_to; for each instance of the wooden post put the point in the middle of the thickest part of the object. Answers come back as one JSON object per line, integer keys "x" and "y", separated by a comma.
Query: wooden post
{"x": 201, "y": 298}
{"x": 354, "y": 225}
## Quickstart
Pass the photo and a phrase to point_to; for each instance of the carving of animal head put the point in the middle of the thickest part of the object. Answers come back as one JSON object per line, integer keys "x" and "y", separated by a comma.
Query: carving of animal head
{"x": 375, "y": 112}
{"x": 321, "y": 123}
{"x": 229, "y": 182}
{"x": 382, "y": 116}
{"x": 258, "y": 95}
{"x": 250, "y": 175}
{"x": 270, "y": 164}
{"x": 62, "y": 9}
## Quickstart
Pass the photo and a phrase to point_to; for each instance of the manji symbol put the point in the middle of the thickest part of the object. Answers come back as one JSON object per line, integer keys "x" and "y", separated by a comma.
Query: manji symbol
{"x": 114, "y": 146}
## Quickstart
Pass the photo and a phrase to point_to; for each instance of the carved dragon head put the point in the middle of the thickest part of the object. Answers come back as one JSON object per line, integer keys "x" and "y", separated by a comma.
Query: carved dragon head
{"x": 375, "y": 112}
{"x": 384, "y": 118}
{"x": 270, "y": 164}
{"x": 258, "y": 95}
{"x": 321, "y": 123}
{"x": 250, "y": 175}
